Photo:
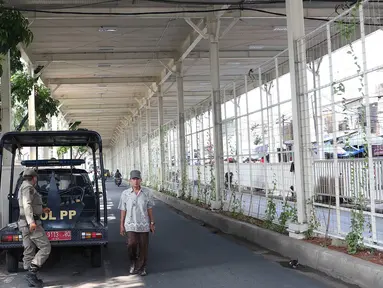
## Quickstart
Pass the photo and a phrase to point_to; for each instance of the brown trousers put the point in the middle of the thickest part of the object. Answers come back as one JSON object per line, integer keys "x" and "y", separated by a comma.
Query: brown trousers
{"x": 138, "y": 246}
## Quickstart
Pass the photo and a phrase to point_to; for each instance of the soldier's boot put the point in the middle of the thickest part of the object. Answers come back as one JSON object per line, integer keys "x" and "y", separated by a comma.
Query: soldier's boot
{"x": 31, "y": 277}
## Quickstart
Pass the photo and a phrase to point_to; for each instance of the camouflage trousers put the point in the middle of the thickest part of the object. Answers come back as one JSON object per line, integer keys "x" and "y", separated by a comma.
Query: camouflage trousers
{"x": 32, "y": 240}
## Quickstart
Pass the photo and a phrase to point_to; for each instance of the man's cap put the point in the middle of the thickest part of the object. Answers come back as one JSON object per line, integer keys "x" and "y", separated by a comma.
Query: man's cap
{"x": 135, "y": 174}
{"x": 30, "y": 172}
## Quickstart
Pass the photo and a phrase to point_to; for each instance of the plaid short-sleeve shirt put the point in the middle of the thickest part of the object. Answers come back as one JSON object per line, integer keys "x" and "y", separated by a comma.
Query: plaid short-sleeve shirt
{"x": 136, "y": 207}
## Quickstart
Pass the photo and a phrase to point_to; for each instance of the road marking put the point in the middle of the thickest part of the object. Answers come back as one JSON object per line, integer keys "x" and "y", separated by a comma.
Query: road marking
{"x": 8, "y": 280}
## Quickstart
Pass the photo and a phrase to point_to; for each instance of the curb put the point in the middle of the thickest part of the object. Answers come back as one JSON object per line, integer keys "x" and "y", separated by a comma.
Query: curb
{"x": 347, "y": 268}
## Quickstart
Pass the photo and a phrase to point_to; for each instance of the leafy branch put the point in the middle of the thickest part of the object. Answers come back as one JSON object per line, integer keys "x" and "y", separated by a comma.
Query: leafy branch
{"x": 45, "y": 106}
{"x": 14, "y": 29}
{"x": 79, "y": 151}
{"x": 257, "y": 132}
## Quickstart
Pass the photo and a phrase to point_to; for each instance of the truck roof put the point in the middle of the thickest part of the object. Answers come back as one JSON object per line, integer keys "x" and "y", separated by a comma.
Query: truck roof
{"x": 14, "y": 140}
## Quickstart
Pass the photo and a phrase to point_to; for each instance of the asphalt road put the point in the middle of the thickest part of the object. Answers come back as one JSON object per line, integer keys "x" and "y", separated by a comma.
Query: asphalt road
{"x": 183, "y": 254}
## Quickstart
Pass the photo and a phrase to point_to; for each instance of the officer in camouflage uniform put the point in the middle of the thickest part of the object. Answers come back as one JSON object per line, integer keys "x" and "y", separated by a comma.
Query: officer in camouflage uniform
{"x": 34, "y": 236}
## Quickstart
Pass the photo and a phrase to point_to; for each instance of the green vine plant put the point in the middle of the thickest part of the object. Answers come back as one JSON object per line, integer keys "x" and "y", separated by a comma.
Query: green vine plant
{"x": 235, "y": 206}
{"x": 198, "y": 164}
{"x": 288, "y": 213}
{"x": 313, "y": 223}
{"x": 164, "y": 131}
{"x": 235, "y": 203}
{"x": 185, "y": 193}
{"x": 213, "y": 191}
{"x": 271, "y": 210}
{"x": 355, "y": 237}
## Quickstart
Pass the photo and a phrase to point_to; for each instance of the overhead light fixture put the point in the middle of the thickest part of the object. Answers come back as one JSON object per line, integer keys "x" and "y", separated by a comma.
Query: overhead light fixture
{"x": 234, "y": 63}
{"x": 104, "y": 65}
{"x": 280, "y": 28}
{"x": 107, "y": 29}
{"x": 255, "y": 47}
{"x": 106, "y": 48}
{"x": 102, "y": 75}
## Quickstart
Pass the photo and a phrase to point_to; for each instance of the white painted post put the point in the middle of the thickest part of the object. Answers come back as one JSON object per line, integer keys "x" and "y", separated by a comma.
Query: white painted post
{"x": 161, "y": 127}
{"x": 181, "y": 127}
{"x": 6, "y": 120}
{"x": 213, "y": 30}
{"x": 296, "y": 30}
{"x": 32, "y": 113}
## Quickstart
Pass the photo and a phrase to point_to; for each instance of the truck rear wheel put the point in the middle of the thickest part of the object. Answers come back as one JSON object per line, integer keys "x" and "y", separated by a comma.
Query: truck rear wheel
{"x": 96, "y": 256}
{"x": 12, "y": 261}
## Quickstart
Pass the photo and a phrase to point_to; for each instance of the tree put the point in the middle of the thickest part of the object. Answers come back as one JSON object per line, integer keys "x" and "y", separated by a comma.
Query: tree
{"x": 45, "y": 105}
{"x": 14, "y": 29}
{"x": 78, "y": 151}
{"x": 257, "y": 133}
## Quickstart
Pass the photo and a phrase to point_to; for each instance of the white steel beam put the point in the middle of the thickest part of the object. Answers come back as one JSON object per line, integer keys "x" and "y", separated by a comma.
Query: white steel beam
{"x": 95, "y": 125}
{"x": 24, "y": 54}
{"x": 92, "y": 105}
{"x": 228, "y": 28}
{"x": 99, "y": 56}
{"x": 196, "y": 28}
{"x": 205, "y": 78}
{"x": 164, "y": 55}
{"x": 100, "y": 80}
{"x": 93, "y": 118}
{"x": 98, "y": 101}
{"x": 98, "y": 111}
{"x": 87, "y": 97}
{"x": 98, "y": 117}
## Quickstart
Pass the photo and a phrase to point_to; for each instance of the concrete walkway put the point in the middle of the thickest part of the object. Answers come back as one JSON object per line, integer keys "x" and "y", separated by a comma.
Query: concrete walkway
{"x": 183, "y": 254}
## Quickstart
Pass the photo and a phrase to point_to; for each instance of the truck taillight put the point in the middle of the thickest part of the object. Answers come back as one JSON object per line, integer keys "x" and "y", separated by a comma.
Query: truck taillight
{"x": 12, "y": 238}
{"x": 91, "y": 235}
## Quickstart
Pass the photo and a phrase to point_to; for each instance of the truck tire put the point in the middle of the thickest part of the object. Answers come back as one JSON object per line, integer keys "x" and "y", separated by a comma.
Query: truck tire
{"x": 12, "y": 261}
{"x": 96, "y": 256}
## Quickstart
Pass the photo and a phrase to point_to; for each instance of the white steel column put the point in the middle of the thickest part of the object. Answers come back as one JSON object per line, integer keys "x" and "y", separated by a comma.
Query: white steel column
{"x": 213, "y": 30}
{"x": 6, "y": 120}
{"x": 371, "y": 168}
{"x": 181, "y": 129}
{"x": 140, "y": 140}
{"x": 134, "y": 146}
{"x": 162, "y": 134}
{"x": 6, "y": 110}
{"x": 296, "y": 30}
{"x": 112, "y": 159}
{"x": 148, "y": 132}
{"x": 126, "y": 153}
{"x": 32, "y": 113}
